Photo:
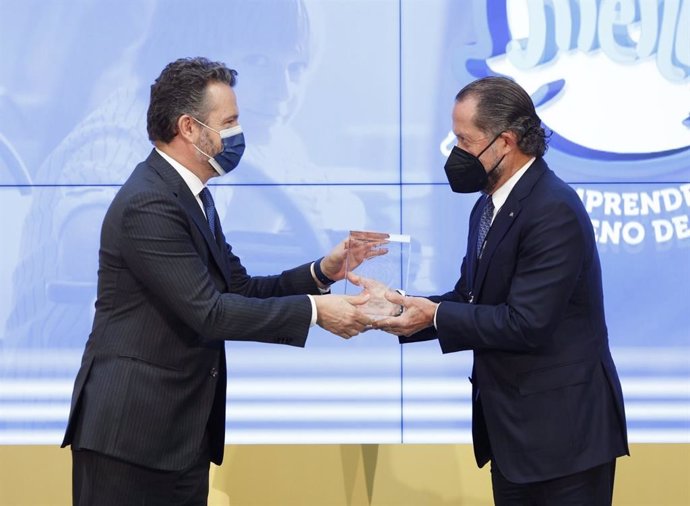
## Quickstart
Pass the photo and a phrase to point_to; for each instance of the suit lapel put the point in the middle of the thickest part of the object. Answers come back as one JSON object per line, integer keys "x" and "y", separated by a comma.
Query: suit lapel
{"x": 472, "y": 236}
{"x": 505, "y": 219}
{"x": 189, "y": 203}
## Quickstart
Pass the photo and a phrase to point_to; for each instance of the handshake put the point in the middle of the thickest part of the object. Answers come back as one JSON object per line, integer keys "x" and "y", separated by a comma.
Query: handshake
{"x": 376, "y": 306}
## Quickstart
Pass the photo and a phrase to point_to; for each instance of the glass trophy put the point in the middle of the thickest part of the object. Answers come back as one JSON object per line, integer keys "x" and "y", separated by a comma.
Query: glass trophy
{"x": 380, "y": 262}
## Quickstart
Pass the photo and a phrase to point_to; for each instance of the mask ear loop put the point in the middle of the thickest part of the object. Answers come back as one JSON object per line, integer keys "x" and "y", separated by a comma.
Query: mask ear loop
{"x": 483, "y": 150}
{"x": 487, "y": 147}
{"x": 210, "y": 128}
{"x": 201, "y": 151}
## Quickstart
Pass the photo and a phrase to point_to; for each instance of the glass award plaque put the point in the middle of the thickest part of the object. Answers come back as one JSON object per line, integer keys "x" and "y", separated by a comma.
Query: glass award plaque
{"x": 380, "y": 262}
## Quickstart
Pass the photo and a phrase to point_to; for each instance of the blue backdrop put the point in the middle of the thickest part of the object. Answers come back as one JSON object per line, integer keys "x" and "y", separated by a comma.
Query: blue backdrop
{"x": 346, "y": 110}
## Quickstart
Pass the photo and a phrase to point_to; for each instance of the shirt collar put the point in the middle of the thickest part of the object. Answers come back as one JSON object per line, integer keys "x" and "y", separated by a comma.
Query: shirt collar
{"x": 500, "y": 196}
{"x": 191, "y": 180}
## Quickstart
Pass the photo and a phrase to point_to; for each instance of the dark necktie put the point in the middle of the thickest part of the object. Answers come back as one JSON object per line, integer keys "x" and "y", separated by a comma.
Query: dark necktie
{"x": 484, "y": 224}
{"x": 210, "y": 208}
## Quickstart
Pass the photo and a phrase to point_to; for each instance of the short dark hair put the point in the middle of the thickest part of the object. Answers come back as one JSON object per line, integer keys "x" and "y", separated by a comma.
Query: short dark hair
{"x": 181, "y": 89}
{"x": 503, "y": 105}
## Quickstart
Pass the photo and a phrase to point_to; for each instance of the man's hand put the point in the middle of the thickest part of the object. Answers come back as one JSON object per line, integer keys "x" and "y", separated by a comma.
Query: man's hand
{"x": 378, "y": 304}
{"x": 351, "y": 252}
{"x": 418, "y": 314}
{"x": 340, "y": 314}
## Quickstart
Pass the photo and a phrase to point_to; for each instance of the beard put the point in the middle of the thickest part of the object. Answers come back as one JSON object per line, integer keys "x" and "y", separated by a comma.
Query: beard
{"x": 209, "y": 151}
{"x": 494, "y": 176}
{"x": 206, "y": 145}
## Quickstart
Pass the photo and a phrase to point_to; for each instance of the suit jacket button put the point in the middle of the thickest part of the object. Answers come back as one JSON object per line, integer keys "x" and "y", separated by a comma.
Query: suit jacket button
{"x": 214, "y": 372}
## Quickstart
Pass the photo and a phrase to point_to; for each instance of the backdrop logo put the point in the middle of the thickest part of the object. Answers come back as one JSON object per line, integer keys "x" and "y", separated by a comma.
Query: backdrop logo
{"x": 625, "y": 31}
{"x": 611, "y": 80}
{"x": 609, "y": 76}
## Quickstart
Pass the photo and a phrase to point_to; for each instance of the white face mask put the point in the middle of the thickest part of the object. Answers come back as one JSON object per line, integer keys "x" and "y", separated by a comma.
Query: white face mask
{"x": 233, "y": 148}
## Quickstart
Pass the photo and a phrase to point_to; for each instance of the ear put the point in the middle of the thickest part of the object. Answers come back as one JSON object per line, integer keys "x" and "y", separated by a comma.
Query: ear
{"x": 186, "y": 127}
{"x": 510, "y": 139}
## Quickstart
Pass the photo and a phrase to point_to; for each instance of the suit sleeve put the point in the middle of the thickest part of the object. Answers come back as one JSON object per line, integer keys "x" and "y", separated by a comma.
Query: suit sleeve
{"x": 550, "y": 259}
{"x": 158, "y": 248}
{"x": 290, "y": 282}
{"x": 459, "y": 294}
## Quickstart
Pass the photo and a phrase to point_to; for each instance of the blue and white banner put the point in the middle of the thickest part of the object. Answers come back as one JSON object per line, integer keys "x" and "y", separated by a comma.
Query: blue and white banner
{"x": 345, "y": 105}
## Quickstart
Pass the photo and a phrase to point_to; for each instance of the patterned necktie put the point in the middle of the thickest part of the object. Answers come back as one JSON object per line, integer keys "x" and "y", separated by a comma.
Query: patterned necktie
{"x": 485, "y": 224}
{"x": 210, "y": 209}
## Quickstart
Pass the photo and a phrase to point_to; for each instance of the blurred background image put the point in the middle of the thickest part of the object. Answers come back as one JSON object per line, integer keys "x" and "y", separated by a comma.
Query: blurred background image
{"x": 345, "y": 105}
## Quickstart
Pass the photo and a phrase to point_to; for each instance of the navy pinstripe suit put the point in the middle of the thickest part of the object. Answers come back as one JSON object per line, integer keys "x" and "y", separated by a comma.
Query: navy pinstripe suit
{"x": 153, "y": 376}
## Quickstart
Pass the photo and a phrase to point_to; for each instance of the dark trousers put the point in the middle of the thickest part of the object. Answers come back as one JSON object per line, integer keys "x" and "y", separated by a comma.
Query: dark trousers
{"x": 104, "y": 481}
{"x": 592, "y": 487}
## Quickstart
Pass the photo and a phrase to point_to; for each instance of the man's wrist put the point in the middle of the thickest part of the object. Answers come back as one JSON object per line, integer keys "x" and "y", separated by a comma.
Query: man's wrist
{"x": 436, "y": 313}
{"x": 319, "y": 274}
{"x": 314, "y": 311}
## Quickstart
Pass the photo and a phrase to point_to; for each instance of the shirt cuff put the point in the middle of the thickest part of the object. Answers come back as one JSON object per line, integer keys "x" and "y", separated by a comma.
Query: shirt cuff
{"x": 314, "y": 314}
{"x": 435, "y": 313}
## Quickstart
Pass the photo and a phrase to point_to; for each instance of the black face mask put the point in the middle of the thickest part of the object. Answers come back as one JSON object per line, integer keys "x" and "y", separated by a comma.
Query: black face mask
{"x": 465, "y": 172}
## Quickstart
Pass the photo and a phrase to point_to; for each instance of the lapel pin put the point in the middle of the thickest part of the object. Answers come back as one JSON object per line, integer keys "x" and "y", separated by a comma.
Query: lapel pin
{"x": 511, "y": 214}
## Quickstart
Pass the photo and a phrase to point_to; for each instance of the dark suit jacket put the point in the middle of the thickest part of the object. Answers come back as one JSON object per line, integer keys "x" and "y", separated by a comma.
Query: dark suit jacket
{"x": 153, "y": 374}
{"x": 547, "y": 399}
